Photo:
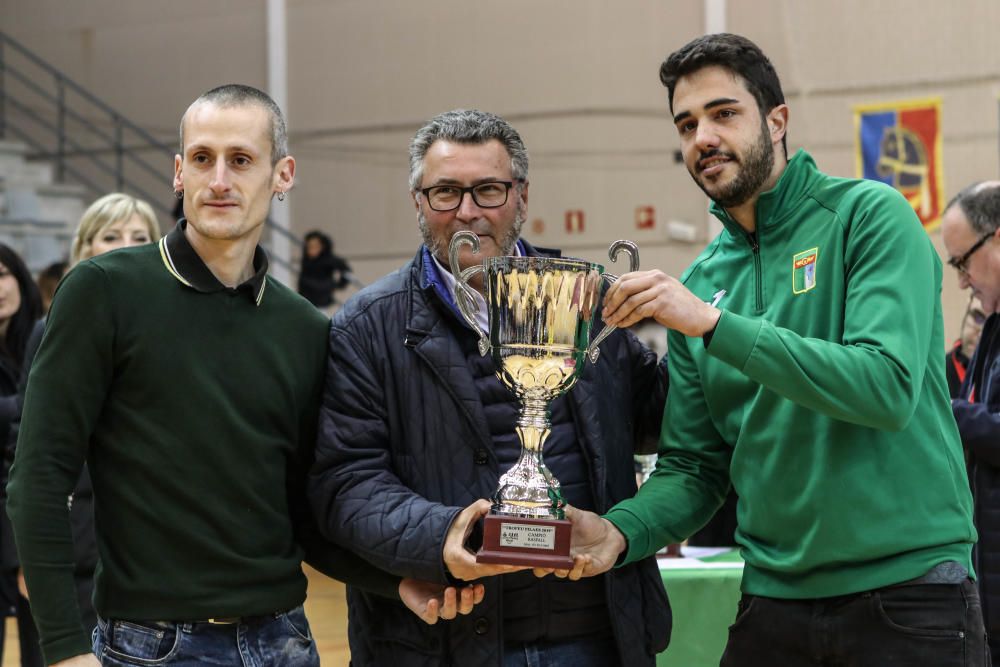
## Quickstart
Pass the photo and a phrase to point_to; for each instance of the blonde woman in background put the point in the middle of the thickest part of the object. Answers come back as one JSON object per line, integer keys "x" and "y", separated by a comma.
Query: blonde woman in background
{"x": 114, "y": 221}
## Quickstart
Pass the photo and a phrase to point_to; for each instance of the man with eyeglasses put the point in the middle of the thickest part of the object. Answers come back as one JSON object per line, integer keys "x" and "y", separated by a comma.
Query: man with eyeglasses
{"x": 416, "y": 429}
{"x": 970, "y": 228}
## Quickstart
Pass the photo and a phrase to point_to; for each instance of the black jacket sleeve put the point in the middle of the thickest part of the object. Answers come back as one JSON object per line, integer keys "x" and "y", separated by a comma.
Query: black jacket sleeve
{"x": 356, "y": 495}
{"x": 651, "y": 383}
{"x": 979, "y": 426}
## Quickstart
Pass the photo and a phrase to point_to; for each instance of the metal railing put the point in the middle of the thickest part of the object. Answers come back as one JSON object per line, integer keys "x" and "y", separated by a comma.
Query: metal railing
{"x": 88, "y": 142}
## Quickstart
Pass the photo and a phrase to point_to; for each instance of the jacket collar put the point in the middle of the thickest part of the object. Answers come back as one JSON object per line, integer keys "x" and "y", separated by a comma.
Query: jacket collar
{"x": 184, "y": 264}
{"x": 431, "y": 279}
{"x": 780, "y": 203}
{"x": 429, "y": 334}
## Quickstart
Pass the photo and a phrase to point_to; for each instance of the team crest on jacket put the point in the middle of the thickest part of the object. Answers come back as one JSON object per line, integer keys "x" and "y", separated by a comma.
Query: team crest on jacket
{"x": 804, "y": 270}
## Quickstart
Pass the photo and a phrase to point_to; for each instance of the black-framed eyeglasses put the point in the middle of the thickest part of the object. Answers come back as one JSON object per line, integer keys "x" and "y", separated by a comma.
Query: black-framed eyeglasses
{"x": 960, "y": 263}
{"x": 491, "y": 194}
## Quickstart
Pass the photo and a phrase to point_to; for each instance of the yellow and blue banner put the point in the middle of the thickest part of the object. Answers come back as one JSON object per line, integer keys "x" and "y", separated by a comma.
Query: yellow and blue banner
{"x": 899, "y": 143}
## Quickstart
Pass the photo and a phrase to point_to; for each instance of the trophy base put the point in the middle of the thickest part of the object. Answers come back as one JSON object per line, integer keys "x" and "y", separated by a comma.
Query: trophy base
{"x": 515, "y": 540}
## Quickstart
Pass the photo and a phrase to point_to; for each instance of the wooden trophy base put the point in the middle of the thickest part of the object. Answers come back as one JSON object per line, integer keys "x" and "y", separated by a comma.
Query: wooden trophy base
{"x": 514, "y": 540}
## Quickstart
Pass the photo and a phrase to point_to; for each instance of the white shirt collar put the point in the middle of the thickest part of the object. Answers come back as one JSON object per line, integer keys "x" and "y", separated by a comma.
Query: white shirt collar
{"x": 482, "y": 314}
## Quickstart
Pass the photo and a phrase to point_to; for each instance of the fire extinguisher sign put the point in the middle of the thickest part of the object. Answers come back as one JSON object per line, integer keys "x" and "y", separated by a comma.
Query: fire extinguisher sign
{"x": 645, "y": 217}
{"x": 574, "y": 221}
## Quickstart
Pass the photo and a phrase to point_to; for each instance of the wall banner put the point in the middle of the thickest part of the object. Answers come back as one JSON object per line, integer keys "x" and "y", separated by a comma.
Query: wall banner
{"x": 899, "y": 143}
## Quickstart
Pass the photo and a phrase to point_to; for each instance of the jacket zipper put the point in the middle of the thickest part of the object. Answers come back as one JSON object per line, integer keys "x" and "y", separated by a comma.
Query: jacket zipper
{"x": 758, "y": 278}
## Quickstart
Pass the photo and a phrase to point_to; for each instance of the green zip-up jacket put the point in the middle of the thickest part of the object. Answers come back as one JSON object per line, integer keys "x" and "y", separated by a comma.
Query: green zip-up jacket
{"x": 821, "y": 396}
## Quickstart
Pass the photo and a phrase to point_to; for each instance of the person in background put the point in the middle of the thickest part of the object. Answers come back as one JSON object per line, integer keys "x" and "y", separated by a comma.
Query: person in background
{"x": 957, "y": 358}
{"x": 114, "y": 221}
{"x": 322, "y": 272}
{"x": 47, "y": 280}
{"x": 806, "y": 372}
{"x": 970, "y": 230}
{"x": 20, "y": 308}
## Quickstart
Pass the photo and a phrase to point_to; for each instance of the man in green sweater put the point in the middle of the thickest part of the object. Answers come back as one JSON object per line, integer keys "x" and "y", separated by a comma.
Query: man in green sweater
{"x": 190, "y": 381}
{"x": 805, "y": 370}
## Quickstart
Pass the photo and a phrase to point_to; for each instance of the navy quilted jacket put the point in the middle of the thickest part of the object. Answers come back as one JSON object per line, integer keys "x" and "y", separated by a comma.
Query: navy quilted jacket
{"x": 979, "y": 426}
{"x": 404, "y": 446}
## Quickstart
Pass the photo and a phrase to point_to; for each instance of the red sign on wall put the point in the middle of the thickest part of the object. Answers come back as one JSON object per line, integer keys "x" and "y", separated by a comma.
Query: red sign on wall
{"x": 574, "y": 221}
{"x": 645, "y": 217}
{"x": 538, "y": 226}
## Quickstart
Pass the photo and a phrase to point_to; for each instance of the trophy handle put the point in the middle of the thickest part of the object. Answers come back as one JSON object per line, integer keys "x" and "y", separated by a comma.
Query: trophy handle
{"x": 618, "y": 247}
{"x": 464, "y": 296}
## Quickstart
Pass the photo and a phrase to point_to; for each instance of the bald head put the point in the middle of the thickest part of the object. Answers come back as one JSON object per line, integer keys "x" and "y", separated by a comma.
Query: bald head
{"x": 980, "y": 204}
{"x": 238, "y": 95}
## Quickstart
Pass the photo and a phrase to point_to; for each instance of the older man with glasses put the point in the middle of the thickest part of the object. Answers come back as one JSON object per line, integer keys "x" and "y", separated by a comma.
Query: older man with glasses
{"x": 416, "y": 429}
{"x": 969, "y": 229}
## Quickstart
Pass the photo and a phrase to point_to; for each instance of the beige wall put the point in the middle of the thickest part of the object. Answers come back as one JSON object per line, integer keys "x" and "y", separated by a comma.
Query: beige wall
{"x": 577, "y": 77}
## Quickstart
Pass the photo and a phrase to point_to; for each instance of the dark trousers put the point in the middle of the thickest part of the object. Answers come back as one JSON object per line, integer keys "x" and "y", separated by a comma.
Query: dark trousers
{"x": 931, "y": 625}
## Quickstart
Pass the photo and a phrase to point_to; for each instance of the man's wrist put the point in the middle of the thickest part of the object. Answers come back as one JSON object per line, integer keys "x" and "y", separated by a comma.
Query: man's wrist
{"x": 618, "y": 542}
{"x": 713, "y": 321}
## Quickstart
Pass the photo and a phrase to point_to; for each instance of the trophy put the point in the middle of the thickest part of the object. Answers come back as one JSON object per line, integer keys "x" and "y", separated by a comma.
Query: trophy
{"x": 541, "y": 311}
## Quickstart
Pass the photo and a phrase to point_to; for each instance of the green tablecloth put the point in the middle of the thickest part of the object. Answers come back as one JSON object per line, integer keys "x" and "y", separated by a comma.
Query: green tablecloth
{"x": 704, "y": 606}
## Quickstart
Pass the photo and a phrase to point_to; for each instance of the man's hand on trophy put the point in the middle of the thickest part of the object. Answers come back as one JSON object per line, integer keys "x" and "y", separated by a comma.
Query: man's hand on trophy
{"x": 431, "y": 602}
{"x": 459, "y": 560}
{"x": 636, "y": 296}
{"x": 580, "y": 563}
{"x": 595, "y": 545}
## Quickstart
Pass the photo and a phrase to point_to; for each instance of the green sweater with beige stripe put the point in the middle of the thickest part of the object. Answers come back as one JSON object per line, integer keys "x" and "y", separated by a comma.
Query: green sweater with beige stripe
{"x": 195, "y": 406}
{"x": 821, "y": 396}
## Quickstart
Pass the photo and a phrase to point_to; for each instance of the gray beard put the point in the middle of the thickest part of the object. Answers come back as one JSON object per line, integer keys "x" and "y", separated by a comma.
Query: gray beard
{"x": 440, "y": 249}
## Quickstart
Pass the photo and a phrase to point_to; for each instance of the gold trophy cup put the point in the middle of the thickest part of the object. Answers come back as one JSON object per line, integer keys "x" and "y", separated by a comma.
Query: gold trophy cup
{"x": 541, "y": 312}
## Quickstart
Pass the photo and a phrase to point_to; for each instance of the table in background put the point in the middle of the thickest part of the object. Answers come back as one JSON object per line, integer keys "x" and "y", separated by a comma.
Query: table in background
{"x": 703, "y": 597}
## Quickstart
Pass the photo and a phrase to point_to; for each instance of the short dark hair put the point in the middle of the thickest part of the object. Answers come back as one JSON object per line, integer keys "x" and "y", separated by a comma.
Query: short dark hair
{"x": 238, "y": 95}
{"x": 324, "y": 240}
{"x": 733, "y": 52}
{"x": 980, "y": 202}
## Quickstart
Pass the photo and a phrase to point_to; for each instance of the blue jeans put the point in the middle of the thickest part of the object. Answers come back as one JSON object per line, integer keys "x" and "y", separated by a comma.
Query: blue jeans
{"x": 278, "y": 640}
{"x": 939, "y": 625}
{"x": 575, "y": 652}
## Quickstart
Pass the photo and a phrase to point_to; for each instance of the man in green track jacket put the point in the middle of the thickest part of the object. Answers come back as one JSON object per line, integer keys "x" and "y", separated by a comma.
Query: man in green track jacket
{"x": 805, "y": 370}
